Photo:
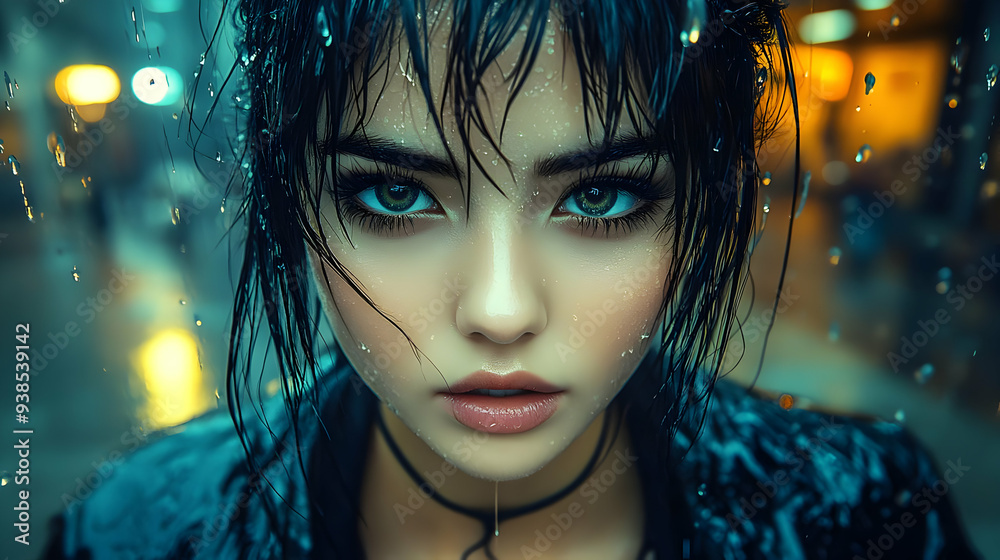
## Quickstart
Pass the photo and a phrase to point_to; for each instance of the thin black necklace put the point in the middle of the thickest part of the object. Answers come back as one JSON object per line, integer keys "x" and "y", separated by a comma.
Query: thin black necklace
{"x": 487, "y": 517}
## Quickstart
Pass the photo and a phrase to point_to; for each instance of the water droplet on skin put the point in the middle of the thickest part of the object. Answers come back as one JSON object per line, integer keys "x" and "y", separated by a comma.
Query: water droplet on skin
{"x": 982, "y": 160}
{"x": 864, "y": 154}
{"x": 991, "y": 76}
{"x": 858, "y": 108}
{"x": 958, "y": 56}
{"x": 869, "y": 82}
{"x": 183, "y": 302}
{"x": 197, "y": 321}
{"x": 835, "y": 254}
{"x": 924, "y": 373}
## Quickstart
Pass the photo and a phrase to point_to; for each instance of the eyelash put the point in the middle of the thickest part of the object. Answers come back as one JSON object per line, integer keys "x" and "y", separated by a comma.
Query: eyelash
{"x": 634, "y": 182}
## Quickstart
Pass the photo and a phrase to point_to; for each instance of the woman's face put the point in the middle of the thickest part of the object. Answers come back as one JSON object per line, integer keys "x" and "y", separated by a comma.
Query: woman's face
{"x": 562, "y": 278}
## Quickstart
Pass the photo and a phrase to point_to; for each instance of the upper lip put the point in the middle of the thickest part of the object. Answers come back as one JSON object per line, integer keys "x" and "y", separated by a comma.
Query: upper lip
{"x": 511, "y": 381}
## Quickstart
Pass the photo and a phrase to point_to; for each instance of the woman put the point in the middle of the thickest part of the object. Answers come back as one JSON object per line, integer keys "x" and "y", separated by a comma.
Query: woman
{"x": 527, "y": 224}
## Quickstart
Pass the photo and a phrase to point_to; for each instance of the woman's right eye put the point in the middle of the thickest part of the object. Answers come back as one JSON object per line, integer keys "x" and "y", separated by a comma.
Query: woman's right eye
{"x": 395, "y": 199}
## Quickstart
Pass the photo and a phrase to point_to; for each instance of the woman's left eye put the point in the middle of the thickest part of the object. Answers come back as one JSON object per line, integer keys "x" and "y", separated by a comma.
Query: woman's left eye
{"x": 599, "y": 202}
{"x": 396, "y": 199}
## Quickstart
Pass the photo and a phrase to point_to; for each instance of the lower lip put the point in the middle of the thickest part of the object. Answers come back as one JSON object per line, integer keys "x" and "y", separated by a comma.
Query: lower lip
{"x": 502, "y": 415}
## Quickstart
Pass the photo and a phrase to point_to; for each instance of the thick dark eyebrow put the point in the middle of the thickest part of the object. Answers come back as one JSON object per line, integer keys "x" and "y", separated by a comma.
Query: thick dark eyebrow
{"x": 383, "y": 150}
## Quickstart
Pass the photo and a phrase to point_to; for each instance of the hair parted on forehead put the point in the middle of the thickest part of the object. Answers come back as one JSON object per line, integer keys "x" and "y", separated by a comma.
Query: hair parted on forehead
{"x": 690, "y": 74}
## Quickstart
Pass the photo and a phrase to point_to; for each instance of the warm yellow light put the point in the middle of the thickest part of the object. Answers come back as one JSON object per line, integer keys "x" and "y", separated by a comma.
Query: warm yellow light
{"x": 87, "y": 84}
{"x": 168, "y": 366}
{"x": 92, "y": 113}
{"x": 831, "y": 72}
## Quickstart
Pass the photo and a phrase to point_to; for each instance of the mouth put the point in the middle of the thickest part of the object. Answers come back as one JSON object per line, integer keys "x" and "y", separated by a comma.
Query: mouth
{"x": 502, "y": 404}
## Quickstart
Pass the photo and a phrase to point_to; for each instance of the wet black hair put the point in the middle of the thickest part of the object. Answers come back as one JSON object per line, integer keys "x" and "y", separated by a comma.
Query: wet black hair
{"x": 707, "y": 79}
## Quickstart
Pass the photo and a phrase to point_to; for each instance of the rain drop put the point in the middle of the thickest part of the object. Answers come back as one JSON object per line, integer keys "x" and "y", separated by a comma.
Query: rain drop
{"x": 5, "y": 478}
{"x": 218, "y": 157}
{"x": 60, "y": 151}
{"x": 986, "y": 34}
{"x": 858, "y": 108}
{"x": 923, "y": 374}
{"x": 323, "y": 26}
{"x": 183, "y": 302}
{"x": 864, "y": 154}
{"x": 10, "y": 85}
{"x": 805, "y": 193}
{"x": 991, "y": 76}
{"x": 869, "y": 82}
{"x": 767, "y": 178}
{"x": 835, "y": 254}
{"x": 894, "y": 20}
{"x": 76, "y": 275}
{"x": 982, "y": 160}
{"x": 15, "y": 165}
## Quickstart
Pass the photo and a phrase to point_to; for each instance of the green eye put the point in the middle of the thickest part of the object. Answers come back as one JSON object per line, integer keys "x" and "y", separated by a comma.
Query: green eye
{"x": 600, "y": 202}
{"x": 395, "y": 199}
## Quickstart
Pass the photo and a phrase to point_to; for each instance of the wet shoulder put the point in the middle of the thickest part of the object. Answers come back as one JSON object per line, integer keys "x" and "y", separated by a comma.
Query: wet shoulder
{"x": 764, "y": 481}
{"x": 184, "y": 494}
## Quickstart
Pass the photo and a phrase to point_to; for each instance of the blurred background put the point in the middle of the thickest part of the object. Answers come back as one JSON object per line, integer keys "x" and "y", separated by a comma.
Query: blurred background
{"x": 113, "y": 245}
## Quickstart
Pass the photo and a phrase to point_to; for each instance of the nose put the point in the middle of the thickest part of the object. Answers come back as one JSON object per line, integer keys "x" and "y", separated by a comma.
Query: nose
{"x": 503, "y": 300}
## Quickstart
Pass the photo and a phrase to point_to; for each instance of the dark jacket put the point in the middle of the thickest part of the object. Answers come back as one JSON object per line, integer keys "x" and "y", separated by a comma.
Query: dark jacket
{"x": 759, "y": 482}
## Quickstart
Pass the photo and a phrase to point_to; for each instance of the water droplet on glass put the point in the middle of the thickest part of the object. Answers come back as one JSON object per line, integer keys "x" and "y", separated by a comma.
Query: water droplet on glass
{"x": 5, "y": 478}
{"x": 958, "y": 56}
{"x": 894, "y": 20}
{"x": 982, "y": 160}
{"x": 323, "y": 26}
{"x": 76, "y": 275}
{"x": 858, "y": 108}
{"x": 864, "y": 154}
{"x": 924, "y": 373}
{"x": 991, "y": 76}
{"x": 10, "y": 84}
{"x": 183, "y": 302}
{"x": 986, "y": 34}
{"x": 60, "y": 151}
{"x": 218, "y": 157}
{"x": 835, "y": 254}
{"x": 15, "y": 166}
{"x": 869, "y": 82}
{"x": 805, "y": 193}
{"x": 197, "y": 321}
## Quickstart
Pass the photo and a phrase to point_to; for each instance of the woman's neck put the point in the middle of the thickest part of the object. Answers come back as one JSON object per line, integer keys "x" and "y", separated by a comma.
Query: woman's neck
{"x": 609, "y": 500}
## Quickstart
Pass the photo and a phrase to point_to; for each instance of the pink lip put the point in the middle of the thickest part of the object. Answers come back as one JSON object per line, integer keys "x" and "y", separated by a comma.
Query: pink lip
{"x": 516, "y": 380}
{"x": 502, "y": 415}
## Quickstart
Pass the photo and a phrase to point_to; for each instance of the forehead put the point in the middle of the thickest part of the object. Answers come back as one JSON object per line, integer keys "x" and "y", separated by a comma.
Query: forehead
{"x": 544, "y": 117}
